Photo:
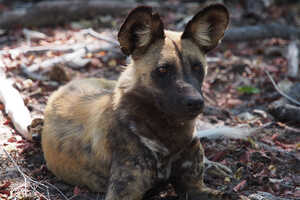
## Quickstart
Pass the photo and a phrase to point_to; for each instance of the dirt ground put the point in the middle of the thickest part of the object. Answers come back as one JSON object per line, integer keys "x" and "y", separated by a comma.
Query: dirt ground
{"x": 237, "y": 92}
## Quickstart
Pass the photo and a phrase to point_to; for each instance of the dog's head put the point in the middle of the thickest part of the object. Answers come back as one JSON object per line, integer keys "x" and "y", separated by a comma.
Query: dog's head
{"x": 171, "y": 65}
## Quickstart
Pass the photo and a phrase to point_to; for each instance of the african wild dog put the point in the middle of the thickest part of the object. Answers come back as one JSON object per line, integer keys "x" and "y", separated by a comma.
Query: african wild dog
{"x": 124, "y": 140}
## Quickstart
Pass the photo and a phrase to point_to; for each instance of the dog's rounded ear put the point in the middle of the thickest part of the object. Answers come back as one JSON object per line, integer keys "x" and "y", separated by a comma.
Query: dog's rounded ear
{"x": 207, "y": 27}
{"x": 140, "y": 29}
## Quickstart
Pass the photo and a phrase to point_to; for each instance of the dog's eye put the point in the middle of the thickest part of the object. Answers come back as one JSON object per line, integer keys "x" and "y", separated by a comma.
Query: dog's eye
{"x": 197, "y": 68}
{"x": 198, "y": 71}
{"x": 162, "y": 70}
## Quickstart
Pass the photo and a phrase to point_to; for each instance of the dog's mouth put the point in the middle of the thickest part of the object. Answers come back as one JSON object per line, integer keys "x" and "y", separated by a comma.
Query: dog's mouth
{"x": 183, "y": 113}
{"x": 193, "y": 114}
{"x": 178, "y": 110}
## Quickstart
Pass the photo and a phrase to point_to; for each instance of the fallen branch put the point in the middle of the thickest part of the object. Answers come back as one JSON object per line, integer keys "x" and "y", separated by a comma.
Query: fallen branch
{"x": 280, "y": 91}
{"x": 264, "y": 31}
{"x": 14, "y": 106}
{"x": 60, "y": 11}
{"x": 41, "y": 49}
{"x": 92, "y": 48}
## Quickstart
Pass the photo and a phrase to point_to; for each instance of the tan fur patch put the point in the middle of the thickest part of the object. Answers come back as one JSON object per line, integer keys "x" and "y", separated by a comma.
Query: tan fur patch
{"x": 144, "y": 35}
{"x": 202, "y": 34}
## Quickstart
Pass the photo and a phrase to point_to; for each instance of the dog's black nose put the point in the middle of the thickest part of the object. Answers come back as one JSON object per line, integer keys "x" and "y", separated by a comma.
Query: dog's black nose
{"x": 194, "y": 103}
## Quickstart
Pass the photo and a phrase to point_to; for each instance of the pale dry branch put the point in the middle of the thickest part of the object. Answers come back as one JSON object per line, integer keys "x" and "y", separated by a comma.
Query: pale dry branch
{"x": 293, "y": 59}
{"x": 14, "y": 106}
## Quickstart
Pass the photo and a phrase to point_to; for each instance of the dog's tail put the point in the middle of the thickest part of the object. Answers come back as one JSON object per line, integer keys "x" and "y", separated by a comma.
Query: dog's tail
{"x": 225, "y": 131}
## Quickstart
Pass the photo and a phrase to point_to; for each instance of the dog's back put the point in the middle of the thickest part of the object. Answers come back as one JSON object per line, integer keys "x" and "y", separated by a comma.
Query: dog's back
{"x": 74, "y": 128}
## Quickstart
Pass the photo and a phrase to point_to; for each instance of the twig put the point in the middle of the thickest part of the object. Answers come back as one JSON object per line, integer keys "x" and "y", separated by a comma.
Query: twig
{"x": 26, "y": 177}
{"x": 58, "y": 190}
{"x": 280, "y": 91}
{"x": 19, "y": 170}
{"x": 33, "y": 188}
{"x": 17, "y": 167}
{"x": 98, "y": 36}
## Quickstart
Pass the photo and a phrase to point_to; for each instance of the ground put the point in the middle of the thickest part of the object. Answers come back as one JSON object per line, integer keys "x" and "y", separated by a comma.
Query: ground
{"x": 237, "y": 92}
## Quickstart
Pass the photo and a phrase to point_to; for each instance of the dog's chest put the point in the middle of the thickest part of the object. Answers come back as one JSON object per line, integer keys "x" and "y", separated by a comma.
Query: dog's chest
{"x": 161, "y": 154}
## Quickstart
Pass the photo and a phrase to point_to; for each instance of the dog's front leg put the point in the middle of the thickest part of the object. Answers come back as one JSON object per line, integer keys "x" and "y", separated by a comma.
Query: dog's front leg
{"x": 187, "y": 176}
{"x": 131, "y": 177}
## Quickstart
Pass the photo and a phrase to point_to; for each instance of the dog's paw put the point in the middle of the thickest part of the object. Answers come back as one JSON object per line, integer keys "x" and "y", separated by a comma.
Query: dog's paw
{"x": 217, "y": 168}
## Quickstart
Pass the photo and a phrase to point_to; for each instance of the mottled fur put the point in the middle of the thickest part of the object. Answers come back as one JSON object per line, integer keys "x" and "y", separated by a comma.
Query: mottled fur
{"x": 124, "y": 140}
